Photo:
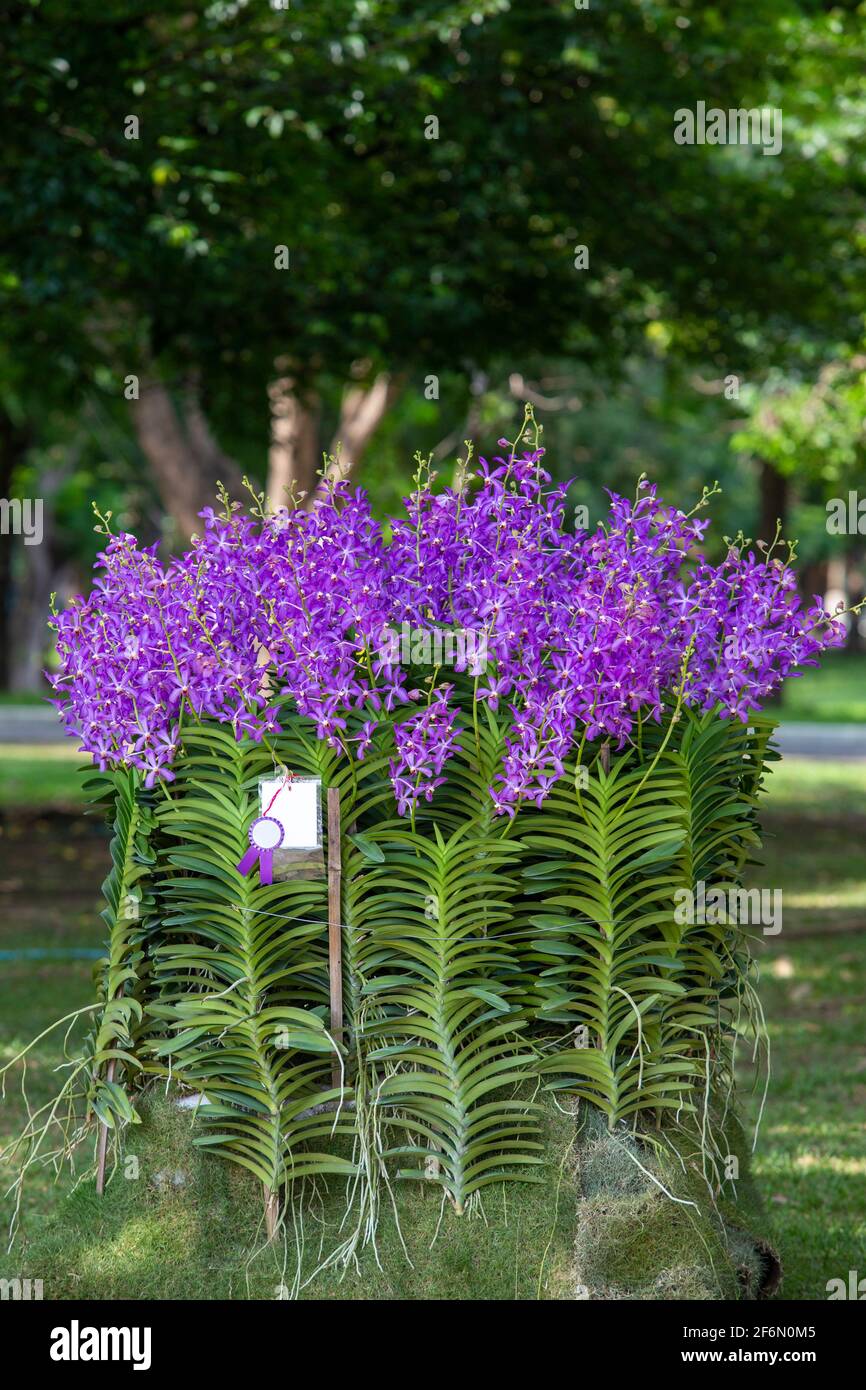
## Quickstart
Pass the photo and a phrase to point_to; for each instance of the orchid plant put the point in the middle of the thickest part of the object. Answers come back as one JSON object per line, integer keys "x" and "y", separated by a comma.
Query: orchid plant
{"x": 495, "y": 904}
{"x": 583, "y": 633}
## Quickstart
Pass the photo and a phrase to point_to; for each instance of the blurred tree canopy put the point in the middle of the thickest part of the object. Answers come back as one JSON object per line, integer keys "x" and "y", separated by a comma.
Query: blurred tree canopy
{"x": 238, "y": 231}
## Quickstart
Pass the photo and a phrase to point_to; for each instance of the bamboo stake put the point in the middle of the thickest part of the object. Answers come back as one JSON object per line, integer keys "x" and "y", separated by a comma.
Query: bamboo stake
{"x": 335, "y": 941}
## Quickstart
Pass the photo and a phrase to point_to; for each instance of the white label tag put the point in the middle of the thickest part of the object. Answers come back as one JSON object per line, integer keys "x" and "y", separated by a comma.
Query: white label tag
{"x": 297, "y": 806}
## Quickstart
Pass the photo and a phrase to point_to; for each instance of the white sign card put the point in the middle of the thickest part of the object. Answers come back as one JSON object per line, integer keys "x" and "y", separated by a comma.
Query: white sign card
{"x": 297, "y": 805}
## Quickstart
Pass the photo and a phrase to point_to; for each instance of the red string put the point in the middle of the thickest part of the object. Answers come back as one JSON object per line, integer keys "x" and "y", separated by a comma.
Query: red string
{"x": 285, "y": 782}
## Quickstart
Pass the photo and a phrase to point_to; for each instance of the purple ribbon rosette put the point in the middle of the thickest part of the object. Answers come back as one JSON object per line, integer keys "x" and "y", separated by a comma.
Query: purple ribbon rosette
{"x": 266, "y": 835}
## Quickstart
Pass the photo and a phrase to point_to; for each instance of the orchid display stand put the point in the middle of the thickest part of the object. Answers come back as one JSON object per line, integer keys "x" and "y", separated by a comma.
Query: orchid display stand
{"x": 472, "y": 952}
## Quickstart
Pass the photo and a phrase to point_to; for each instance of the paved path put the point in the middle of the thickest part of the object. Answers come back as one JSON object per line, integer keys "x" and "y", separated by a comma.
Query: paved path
{"x": 824, "y": 742}
{"x": 39, "y": 724}
{"x": 30, "y": 724}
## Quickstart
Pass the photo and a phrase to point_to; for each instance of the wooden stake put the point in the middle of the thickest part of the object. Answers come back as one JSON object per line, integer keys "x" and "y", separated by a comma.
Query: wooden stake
{"x": 335, "y": 939}
{"x": 272, "y": 1210}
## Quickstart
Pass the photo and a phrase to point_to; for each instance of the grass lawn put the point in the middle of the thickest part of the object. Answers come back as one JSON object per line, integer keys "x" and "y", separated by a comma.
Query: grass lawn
{"x": 26, "y": 697}
{"x": 189, "y": 1238}
{"x": 40, "y": 774}
{"x": 835, "y": 692}
{"x": 810, "y": 1163}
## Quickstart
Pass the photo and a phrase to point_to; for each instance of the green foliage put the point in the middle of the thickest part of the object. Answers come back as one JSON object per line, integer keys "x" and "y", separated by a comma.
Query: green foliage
{"x": 606, "y": 871}
{"x": 435, "y": 996}
{"x": 656, "y": 996}
{"x": 101, "y": 1076}
{"x": 192, "y": 1241}
{"x": 129, "y": 915}
{"x": 309, "y": 128}
{"x": 810, "y": 429}
{"x": 473, "y": 947}
{"x": 720, "y": 764}
{"x": 241, "y": 975}
{"x": 446, "y": 1040}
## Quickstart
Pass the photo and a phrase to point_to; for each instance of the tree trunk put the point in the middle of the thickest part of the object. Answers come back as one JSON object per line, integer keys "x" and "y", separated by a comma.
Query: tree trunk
{"x": 217, "y": 464}
{"x": 186, "y": 460}
{"x": 294, "y": 449}
{"x": 855, "y": 587}
{"x": 774, "y": 496}
{"x": 14, "y": 443}
{"x": 362, "y": 411}
{"x": 813, "y": 579}
{"x": 478, "y": 386}
{"x": 29, "y": 616}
